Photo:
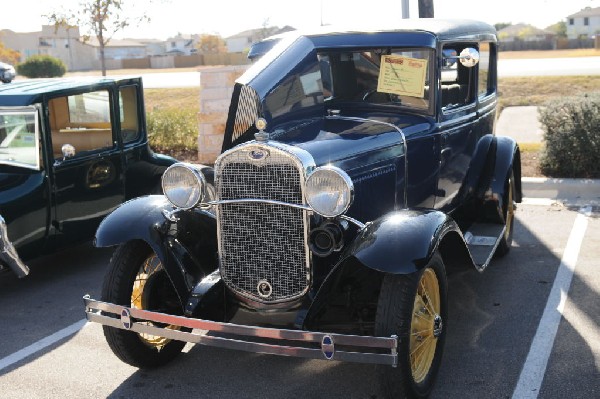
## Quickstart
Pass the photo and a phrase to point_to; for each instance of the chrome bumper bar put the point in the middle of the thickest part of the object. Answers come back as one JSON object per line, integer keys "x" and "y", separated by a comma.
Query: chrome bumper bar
{"x": 306, "y": 344}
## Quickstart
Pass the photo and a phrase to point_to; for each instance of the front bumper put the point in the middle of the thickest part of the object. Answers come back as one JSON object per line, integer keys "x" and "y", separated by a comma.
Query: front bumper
{"x": 296, "y": 343}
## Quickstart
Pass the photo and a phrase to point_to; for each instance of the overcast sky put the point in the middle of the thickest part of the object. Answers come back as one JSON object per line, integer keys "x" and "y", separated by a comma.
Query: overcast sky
{"x": 227, "y": 17}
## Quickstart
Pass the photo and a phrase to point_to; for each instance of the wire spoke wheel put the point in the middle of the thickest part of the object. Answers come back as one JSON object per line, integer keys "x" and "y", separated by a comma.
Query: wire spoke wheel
{"x": 137, "y": 278}
{"x": 414, "y": 307}
{"x": 151, "y": 269}
{"x": 425, "y": 322}
{"x": 509, "y": 216}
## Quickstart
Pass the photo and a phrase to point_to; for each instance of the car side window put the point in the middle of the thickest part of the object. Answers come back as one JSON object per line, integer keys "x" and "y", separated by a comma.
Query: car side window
{"x": 128, "y": 111}
{"x": 485, "y": 85}
{"x": 457, "y": 80}
{"x": 82, "y": 121}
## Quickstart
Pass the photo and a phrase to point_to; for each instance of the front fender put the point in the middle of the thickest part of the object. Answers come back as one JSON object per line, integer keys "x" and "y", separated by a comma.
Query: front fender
{"x": 137, "y": 219}
{"x": 143, "y": 219}
{"x": 401, "y": 242}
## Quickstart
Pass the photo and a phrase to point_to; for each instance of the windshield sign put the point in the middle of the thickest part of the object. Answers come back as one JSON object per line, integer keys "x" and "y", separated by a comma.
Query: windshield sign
{"x": 19, "y": 137}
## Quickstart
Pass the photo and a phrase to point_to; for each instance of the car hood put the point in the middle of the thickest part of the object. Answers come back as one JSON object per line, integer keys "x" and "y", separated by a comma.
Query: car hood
{"x": 348, "y": 141}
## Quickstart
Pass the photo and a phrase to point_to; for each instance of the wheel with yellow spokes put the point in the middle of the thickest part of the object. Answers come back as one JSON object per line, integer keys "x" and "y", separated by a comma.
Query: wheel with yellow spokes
{"x": 414, "y": 308}
{"x": 509, "y": 208}
{"x": 137, "y": 279}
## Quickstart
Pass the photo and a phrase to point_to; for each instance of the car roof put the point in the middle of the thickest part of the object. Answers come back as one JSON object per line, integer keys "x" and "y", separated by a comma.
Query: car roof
{"x": 442, "y": 28}
{"x": 27, "y": 92}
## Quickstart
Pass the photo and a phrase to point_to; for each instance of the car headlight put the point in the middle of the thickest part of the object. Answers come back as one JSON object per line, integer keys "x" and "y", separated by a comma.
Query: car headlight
{"x": 329, "y": 191}
{"x": 183, "y": 185}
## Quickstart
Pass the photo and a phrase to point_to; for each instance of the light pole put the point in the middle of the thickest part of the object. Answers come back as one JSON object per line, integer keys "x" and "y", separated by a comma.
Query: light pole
{"x": 405, "y": 9}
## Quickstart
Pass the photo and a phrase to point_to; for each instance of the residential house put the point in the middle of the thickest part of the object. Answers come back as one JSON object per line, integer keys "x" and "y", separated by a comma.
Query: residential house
{"x": 525, "y": 37}
{"x": 525, "y": 33}
{"x": 241, "y": 42}
{"x": 117, "y": 49}
{"x": 584, "y": 24}
{"x": 182, "y": 44}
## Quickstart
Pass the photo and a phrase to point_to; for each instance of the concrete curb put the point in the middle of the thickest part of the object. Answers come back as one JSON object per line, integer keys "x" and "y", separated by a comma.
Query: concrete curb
{"x": 571, "y": 191}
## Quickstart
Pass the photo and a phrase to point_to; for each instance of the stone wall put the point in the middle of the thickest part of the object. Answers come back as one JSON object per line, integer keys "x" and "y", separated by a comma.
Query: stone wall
{"x": 216, "y": 88}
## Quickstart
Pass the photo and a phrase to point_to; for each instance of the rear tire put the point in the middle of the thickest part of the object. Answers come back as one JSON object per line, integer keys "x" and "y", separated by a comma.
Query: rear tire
{"x": 137, "y": 279}
{"x": 414, "y": 308}
{"x": 509, "y": 217}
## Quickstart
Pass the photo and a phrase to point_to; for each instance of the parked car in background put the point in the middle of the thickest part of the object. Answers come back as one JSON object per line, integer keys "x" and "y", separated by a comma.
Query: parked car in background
{"x": 71, "y": 151}
{"x": 354, "y": 176}
{"x": 7, "y": 72}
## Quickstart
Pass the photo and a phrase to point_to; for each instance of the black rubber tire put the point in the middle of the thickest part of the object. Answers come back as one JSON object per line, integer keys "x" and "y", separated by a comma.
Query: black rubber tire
{"x": 509, "y": 217}
{"x": 394, "y": 317}
{"x": 117, "y": 288}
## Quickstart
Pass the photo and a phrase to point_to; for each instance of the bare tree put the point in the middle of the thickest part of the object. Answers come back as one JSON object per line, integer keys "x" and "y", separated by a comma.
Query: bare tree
{"x": 101, "y": 18}
{"x": 425, "y": 8}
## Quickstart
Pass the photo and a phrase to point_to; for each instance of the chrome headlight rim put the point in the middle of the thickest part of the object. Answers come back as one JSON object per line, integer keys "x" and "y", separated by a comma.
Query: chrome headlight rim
{"x": 347, "y": 181}
{"x": 199, "y": 178}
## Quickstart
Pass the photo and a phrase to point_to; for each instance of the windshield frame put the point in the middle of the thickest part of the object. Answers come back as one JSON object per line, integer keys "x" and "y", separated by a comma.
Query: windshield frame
{"x": 28, "y": 110}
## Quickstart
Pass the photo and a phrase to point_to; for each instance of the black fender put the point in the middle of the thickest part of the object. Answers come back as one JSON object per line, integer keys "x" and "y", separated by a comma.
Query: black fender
{"x": 401, "y": 242}
{"x": 507, "y": 160}
{"x": 144, "y": 219}
{"x": 480, "y": 169}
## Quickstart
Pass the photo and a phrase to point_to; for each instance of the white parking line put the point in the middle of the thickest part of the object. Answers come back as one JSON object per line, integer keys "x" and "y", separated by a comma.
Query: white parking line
{"x": 41, "y": 344}
{"x": 539, "y": 201}
{"x": 532, "y": 375}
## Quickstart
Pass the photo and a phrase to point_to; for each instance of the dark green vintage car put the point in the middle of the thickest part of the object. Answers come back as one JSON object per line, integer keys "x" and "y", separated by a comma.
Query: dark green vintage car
{"x": 71, "y": 151}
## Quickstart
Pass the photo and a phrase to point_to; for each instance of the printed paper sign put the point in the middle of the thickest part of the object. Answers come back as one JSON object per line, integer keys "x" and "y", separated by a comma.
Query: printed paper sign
{"x": 403, "y": 76}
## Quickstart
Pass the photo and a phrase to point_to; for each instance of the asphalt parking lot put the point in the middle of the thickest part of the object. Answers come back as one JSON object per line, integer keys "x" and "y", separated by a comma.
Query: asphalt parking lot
{"x": 526, "y": 327}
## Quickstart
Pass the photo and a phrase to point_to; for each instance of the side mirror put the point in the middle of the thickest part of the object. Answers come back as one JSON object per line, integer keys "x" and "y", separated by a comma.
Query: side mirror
{"x": 68, "y": 151}
{"x": 469, "y": 57}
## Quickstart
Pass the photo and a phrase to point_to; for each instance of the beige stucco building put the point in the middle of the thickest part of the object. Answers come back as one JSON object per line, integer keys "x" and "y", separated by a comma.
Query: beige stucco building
{"x": 67, "y": 44}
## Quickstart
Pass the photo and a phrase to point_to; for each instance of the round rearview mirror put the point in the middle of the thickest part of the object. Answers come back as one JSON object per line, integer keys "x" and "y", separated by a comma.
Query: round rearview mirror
{"x": 68, "y": 151}
{"x": 469, "y": 57}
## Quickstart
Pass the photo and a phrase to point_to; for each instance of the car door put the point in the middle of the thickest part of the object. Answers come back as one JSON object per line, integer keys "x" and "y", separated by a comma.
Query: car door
{"x": 87, "y": 170}
{"x": 457, "y": 136}
{"x": 24, "y": 186}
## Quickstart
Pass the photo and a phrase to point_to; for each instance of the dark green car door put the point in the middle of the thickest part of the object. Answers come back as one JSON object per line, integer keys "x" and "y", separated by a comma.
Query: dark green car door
{"x": 87, "y": 171}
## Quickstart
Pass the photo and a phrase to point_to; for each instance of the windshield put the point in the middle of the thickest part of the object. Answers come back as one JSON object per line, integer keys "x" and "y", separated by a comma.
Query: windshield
{"x": 378, "y": 76}
{"x": 19, "y": 137}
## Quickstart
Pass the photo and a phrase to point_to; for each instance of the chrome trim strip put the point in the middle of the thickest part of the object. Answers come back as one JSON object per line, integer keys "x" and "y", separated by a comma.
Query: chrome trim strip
{"x": 307, "y": 208}
{"x": 8, "y": 253}
{"x": 95, "y": 310}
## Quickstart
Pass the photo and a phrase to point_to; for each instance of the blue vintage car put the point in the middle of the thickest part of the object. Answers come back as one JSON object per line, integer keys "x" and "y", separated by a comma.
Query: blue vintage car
{"x": 358, "y": 169}
{"x": 71, "y": 151}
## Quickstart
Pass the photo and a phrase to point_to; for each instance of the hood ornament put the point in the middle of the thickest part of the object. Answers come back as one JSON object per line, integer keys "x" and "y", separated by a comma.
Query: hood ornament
{"x": 261, "y": 125}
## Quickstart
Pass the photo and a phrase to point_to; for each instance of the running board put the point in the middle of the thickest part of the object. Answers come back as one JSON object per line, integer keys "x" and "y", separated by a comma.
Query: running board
{"x": 482, "y": 240}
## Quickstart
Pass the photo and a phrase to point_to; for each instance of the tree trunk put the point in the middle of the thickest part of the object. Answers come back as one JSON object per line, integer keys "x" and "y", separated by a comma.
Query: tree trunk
{"x": 102, "y": 61}
{"x": 425, "y": 8}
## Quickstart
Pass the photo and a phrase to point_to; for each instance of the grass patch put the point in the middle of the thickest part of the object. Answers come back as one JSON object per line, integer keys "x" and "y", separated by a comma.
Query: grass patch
{"x": 569, "y": 53}
{"x": 184, "y": 98}
{"x": 541, "y": 89}
{"x": 530, "y": 147}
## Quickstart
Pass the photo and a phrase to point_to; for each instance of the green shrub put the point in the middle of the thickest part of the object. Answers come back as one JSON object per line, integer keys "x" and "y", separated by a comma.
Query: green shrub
{"x": 172, "y": 129}
{"x": 42, "y": 66}
{"x": 572, "y": 137}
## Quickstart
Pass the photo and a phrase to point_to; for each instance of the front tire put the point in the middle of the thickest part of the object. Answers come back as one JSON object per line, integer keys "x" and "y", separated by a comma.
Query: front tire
{"x": 137, "y": 279}
{"x": 414, "y": 308}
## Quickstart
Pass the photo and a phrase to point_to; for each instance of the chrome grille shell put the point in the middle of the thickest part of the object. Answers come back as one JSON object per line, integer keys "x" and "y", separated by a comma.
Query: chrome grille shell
{"x": 263, "y": 241}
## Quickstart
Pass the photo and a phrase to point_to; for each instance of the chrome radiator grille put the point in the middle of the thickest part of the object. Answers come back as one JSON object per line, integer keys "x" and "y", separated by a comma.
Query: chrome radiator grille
{"x": 258, "y": 242}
